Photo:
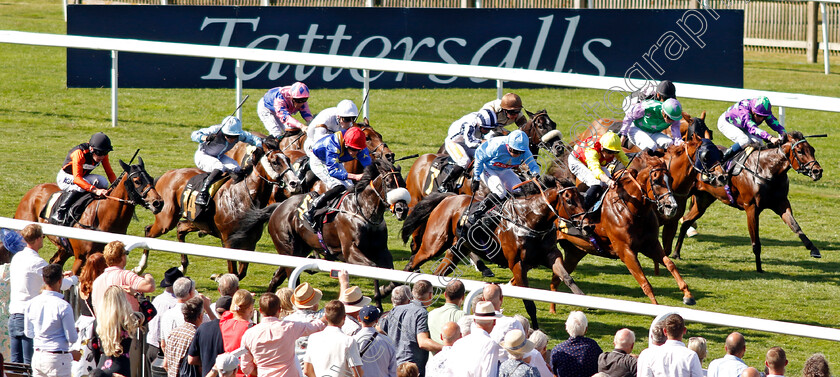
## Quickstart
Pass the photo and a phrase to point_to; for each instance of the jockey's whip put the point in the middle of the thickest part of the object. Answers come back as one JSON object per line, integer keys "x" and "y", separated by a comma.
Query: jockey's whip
{"x": 822, "y": 135}
{"x": 363, "y": 105}
{"x": 407, "y": 157}
{"x": 240, "y": 104}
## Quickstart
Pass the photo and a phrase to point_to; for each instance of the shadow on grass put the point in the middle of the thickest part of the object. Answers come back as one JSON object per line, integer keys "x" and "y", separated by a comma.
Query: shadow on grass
{"x": 745, "y": 242}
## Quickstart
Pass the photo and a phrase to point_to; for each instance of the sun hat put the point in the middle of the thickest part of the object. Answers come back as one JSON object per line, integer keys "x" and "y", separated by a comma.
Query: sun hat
{"x": 353, "y": 299}
{"x": 306, "y": 297}
{"x": 516, "y": 343}
{"x": 484, "y": 311}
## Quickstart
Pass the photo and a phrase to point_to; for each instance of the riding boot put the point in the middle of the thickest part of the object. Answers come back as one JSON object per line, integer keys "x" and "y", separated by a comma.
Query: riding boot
{"x": 591, "y": 197}
{"x": 448, "y": 182}
{"x": 482, "y": 208}
{"x": 735, "y": 148}
{"x": 204, "y": 194}
{"x": 320, "y": 202}
{"x": 59, "y": 216}
{"x": 302, "y": 170}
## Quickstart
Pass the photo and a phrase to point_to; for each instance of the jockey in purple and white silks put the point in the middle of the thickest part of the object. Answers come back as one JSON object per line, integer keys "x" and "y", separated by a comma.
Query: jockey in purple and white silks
{"x": 214, "y": 142}
{"x": 464, "y": 136}
{"x": 740, "y": 124}
{"x": 330, "y": 121}
{"x": 645, "y": 121}
{"x": 278, "y": 106}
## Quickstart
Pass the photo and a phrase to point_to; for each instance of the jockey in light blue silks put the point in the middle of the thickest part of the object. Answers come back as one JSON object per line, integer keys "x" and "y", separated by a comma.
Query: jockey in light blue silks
{"x": 740, "y": 124}
{"x": 493, "y": 163}
{"x": 214, "y": 142}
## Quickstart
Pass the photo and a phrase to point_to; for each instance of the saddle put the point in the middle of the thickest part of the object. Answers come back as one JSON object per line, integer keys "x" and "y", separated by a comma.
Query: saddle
{"x": 324, "y": 215}
{"x": 736, "y": 164}
{"x": 481, "y": 235}
{"x": 439, "y": 171}
{"x": 191, "y": 211}
{"x": 74, "y": 213}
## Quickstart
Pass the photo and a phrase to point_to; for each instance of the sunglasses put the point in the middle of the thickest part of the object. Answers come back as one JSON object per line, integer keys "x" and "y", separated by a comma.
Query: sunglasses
{"x": 512, "y": 111}
{"x": 346, "y": 119}
{"x": 99, "y": 152}
{"x": 516, "y": 152}
{"x": 607, "y": 151}
{"x": 300, "y": 100}
{"x": 353, "y": 149}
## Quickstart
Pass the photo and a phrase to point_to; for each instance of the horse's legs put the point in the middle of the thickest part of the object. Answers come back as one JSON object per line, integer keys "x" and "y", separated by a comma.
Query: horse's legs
{"x": 560, "y": 273}
{"x": 753, "y": 213}
{"x": 243, "y": 270}
{"x": 688, "y": 298}
{"x": 279, "y": 276}
{"x": 480, "y": 266}
{"x": 184, "y": 228}
{"x": 700, "y": 202}
{"x": 631, "y": 260}
{"x": 786, "y": 213}
{"x": 520, "y": 279}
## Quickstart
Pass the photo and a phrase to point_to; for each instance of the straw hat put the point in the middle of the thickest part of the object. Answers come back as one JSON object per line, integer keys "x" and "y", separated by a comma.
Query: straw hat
{"x": 306, "y": 297}
{"x": 484, "y": 311}
{"x": 516, "y": 343}
{"x": 353, "y": 299}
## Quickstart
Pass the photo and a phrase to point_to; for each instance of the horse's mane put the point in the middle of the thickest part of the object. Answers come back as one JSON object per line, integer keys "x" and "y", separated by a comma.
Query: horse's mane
{"x": 371, "y": 172}
{"x": 796, "y": 135}
{"x": 271, "y": 143}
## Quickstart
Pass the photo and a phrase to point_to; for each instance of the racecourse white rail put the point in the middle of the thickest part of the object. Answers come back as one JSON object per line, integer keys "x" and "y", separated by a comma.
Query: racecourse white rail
{"x": 692, "y": 315}
{"x": 706, "y": 92}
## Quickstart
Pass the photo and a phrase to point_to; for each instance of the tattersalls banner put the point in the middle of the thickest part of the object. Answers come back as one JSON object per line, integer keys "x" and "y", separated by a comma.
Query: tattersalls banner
{"x": 701, "y": 46}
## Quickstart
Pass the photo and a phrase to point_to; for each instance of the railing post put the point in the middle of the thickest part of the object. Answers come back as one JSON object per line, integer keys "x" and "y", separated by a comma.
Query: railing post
{"x": 365, "y": 94}
{"x": 781, "y": 115}
{"x": 238, "y": 87}
{"x": 582, "y": 4}
{"x": 500, "y": 89}
{"x": 293, "y": 277}
{"x": 811, "y": 45}
{"x": 825, "y": 36}
{"x": 264, "y": 3}
{"x": 114, "y": 83}
{"x": 469, "y": 299}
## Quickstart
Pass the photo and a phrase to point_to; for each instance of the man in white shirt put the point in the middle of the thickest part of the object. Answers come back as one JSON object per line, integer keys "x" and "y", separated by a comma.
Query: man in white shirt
{"x": 776, "y": 361}
{"x": 50, "y": 324}
{"x": 731, "y": 364}
{"x": 25, "y": 283}
{"x": 672, "y": 359}
{"x": 440, "y": 364}
{"x": 493, "y": 293}
{"x": 331, "y": 352}
{"x": 477, "y": 354}
{"x": 184, "y": 289}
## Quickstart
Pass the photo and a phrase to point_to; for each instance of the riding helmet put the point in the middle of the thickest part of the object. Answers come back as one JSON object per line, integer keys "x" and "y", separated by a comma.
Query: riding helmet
{"x": 346, "y": 108}
{"x": 610, "y": 141}
{"x": 761, "y": 106}
{"x": 666, "y": 89}
{"x": 355, "y": 138}
{"x": 101, "y": 142}
{"x": 511, "y": 101}
{"x": 486, "y": 118}
{"x": 672, "y": 108}
{"x": 300, "y": 90}
{"x": 231, "y": 126}
{"x": 518, "y": 140}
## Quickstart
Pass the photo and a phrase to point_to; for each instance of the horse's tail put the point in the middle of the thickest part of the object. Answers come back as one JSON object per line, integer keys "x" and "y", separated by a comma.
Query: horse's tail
{"x": 420, "y": 214}
{"x": 252, "y": 219}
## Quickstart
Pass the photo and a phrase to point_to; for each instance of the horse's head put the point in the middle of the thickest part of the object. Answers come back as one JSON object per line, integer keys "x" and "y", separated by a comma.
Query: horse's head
{"x": 538, "y": 125}
{"x": 570, "y": 203}
{"x": 392, "y": 186}
{"x": 140, "y": 186}
{"x": 276, "y": 168}
{"x": 553, "y": 143}
{"x": 802, "y": 155}
{"x": 375, "y": 145}
{"x": 655, "y": 180}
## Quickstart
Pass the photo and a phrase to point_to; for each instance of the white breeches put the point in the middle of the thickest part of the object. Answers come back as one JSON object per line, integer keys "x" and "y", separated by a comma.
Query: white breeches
{"x": 320, "y": 170}
{"x": 500, "y": 181}
{"x": 646, "y": 140}
{"x": 209, "y": 163}
{"x": 737, "y": 134}
{"x": 460, "y": 153}
{"x": 582, "y": 172}
{"x": 65, "y": 181}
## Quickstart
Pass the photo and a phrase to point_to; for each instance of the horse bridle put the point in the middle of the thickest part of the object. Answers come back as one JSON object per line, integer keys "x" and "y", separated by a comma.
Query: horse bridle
{"x": 272, "y": 173}
{"x": 134, "y": 196}
{"x": 382, "y": 145}
{"x": 382, "y": 200}
{"x": 804, "y": 168}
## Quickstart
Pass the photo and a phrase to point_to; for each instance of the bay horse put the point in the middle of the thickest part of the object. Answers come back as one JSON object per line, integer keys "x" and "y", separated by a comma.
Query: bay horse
{"x": 629, "y": 225}
{"x": 539, "y": 124}
{"x": 357, "y": 234}
{"x": 763, "y": 184}
{"x": 111, "y": 213}
{"x": 268, "y": 168}
{"x": 526, "y": 233}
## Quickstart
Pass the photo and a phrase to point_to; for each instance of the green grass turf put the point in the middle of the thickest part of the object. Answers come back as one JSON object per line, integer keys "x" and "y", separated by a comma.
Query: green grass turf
{"x": 41, "y": 119}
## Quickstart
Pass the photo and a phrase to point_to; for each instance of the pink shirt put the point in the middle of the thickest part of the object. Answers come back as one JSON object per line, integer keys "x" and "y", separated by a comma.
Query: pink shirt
{"x": 119, "y": 277}
{"x": 270, "y": 346}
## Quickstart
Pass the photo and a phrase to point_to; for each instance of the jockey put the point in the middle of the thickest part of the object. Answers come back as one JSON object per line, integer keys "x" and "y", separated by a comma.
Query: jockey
{"x": 325, "y": 160}
{"x": 464, "y": 136}
{"x": 645, "y": 121}
{"x": 330, "y": 121}
{"x": 587, "y": 162}
{"x": 664, "y": 91}
{"x": 740, "y": 124}
{"x": 508, "y": 110}
{"x": 214, "y": 142}
{"x": 493, "y": 163}
{"x": 75, "y": 177}
{"x": 279, "y": 104}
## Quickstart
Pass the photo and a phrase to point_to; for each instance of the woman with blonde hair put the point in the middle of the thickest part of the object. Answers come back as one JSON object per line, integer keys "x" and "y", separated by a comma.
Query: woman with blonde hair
{"x": 286, "y": 307}
{"x": 116, "y": 323}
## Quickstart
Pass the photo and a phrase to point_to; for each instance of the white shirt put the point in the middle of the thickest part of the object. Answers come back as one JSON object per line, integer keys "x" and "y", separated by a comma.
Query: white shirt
{"x": 439, "y": 365}
{"x": 728, "y": 365}
{"x": 174, "y": 318}
{"x": 477, "y": 355}
{"x": 26, "y": 281}
{"x": 162, "y": 303}
{"x": 350, "y": 326}
{"x": 49, "y": 322}
{"x": 327, "y": 117}
{"x": 537, "y": 361}
{"x": 503, "y": 325}
{"x": 672, "y": 359}
{"x": 332, "y": 353}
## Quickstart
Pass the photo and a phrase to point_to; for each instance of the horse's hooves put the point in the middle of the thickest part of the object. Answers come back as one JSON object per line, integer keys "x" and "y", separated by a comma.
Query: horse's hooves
{"x": 488, "y": 273}
{"x": 137, "y": 270}
{"x": 675, "y": 256}
{"x": 816, "y": 253}
{"x": 691, "y": 232}
{"x": 214, "y": 277}
{"x": 689, "y": 300}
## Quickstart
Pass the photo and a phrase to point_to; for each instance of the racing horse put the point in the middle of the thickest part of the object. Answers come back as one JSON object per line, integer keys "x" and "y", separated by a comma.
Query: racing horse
{"x": 539, "y": 125}
{"x": 111, "y": 213}
{"x": 526, "y": 233}
{"x": 268, "y": 168}
{"x": 629, "y": 224}
{"x": 357, "y": 234}
{"x": 763, "y": 184}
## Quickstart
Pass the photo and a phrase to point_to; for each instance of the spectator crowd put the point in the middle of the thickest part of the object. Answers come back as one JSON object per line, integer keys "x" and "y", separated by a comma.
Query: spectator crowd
{"x": 182, "y": 333}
